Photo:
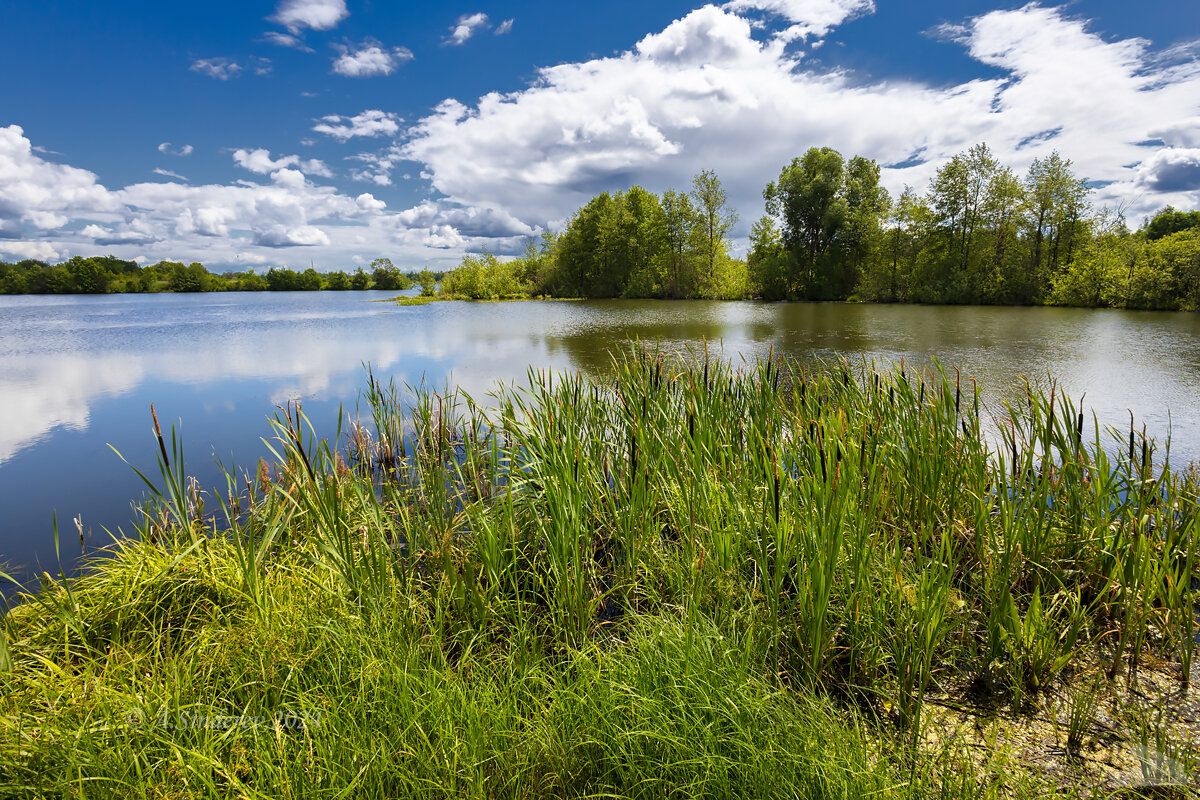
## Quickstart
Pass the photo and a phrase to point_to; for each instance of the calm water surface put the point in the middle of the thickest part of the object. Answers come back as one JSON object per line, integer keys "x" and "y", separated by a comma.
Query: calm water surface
{"x": 78, "y": 374}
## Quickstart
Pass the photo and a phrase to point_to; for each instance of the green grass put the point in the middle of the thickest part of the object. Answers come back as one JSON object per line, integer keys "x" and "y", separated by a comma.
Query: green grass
{"x": 682, "y": 579}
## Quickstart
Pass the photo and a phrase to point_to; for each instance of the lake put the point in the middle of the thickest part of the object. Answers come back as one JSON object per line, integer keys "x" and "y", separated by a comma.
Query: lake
{"x": 78, "y": 374}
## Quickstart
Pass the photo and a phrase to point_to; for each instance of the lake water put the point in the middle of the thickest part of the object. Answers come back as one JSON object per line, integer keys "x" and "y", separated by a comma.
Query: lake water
{"x": 78, "y": 374}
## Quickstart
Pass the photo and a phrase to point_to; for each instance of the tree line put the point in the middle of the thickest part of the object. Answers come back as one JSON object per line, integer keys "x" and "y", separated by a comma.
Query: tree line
{"x": 107, "y": 274}
{"x": 979, "y": 233}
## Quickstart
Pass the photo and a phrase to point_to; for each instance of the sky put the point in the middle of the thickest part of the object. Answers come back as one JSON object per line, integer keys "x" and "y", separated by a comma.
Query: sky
{"x": 333, "y": 132}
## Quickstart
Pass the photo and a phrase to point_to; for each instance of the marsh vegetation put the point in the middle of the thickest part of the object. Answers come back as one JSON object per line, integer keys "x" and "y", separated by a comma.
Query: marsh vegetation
{"x": 684, "y": 578}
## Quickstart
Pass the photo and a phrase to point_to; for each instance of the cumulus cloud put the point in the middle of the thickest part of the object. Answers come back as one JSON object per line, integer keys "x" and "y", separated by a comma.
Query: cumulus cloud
{"x": 369, "y": 59}
{"x": 482, "y": 222}
{"x": 1175, "y": 169}
{"x": 259, "y": 160}
{"x": 41, "y": 250}
{"x": 319, "y": 15}
{"x": 41, "y": 193}
{"x": 136, "y": 231}
{"x": 504, "y": 27}
{"x": 706, "y": 93}
{"x": 466, "y": 27}
{"x": 282, "y": 236}
{"x": 808, "y": 18}
{"x": 220, "y": 68}
{"x": 369, "y": 123}
{"x": 41, "y": 202}
{"x": 183, "y": 150}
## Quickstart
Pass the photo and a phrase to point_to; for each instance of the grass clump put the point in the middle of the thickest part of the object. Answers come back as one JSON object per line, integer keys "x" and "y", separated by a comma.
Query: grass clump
{"x": 681, "y": 579}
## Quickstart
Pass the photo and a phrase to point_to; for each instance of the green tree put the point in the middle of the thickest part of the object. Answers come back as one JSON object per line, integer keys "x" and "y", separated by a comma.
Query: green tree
{"x": 1057, "y": 201}
{"x": 957, "y": 196}
{"x": 360, "y": 280}
{"x": 428, "y": 283}
{"x": 683, "y": 245}
{"x": 88, "y": 275}
{"x": 808, "y": 200}
{"x": 386, "y": 276}
{"x": 1003, "y": 209}
{"x": 1168, "y": 221}
{"x": 769, "y": 262}
{"x": 717, "y": 220}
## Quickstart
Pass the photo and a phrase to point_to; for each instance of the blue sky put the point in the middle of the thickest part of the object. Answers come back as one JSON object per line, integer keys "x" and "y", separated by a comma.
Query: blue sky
{"x": 335, "y": 131}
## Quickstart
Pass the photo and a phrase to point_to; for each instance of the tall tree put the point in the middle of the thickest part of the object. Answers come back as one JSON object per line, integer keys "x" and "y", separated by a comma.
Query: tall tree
{"x": 957, "y": 195}
{"x": 808, "y": 201}
{"x": 1003, "y": 205}
{"x": 716, "y": 217}
{"x": 1057, "y": 201}
{"x": 683, "y": 235}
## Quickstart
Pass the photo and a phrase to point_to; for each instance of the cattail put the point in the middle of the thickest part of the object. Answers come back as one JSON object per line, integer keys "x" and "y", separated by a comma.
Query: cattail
{"x": 1014, "y": 452}
{"x": 264, "y": 477}
{"x": 776, "y": 493}
{"x": 1145, "y": 452}
{"x": 162, "y": 446}
{"x": 1130, "y": 437}
{"x": 1050, "y": 419}
{"x": 633, "y": 453}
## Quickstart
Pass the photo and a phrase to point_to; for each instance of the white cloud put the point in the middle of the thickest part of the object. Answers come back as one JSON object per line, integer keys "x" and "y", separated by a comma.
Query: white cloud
{"x": 367, "y": 202}
{"x": 136, "y": 231}
{"x": 301, "y": 236}
{"x": 504, "y": 27}
{"x": 807, "y": 17}
{"x": 259, "y": 160}
{"x": 369, "y": 123}
{"x": 219, "y": 224}
{"x": 1174, "y": 169}
{"x": 319, "y": 15}
{"x": 183, "y": 150}
{"x": 466, "y": 26}
{"x": 706, "y": 94}
{"x": 40, "y": 250}
{"x": 286, "y": 40}
{"x": 41, "y": 193}
{"x": 220, "y": 68}
{"x": 166, "y": 173}
{"x": 370, "y": 59}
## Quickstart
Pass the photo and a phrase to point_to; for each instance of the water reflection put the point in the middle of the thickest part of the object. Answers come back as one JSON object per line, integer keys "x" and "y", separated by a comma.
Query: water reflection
{"x": 77, "y": 374}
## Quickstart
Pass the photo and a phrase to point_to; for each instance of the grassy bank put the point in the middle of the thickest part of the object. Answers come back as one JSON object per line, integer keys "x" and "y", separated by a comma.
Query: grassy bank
{"x": 682, "y": 580}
